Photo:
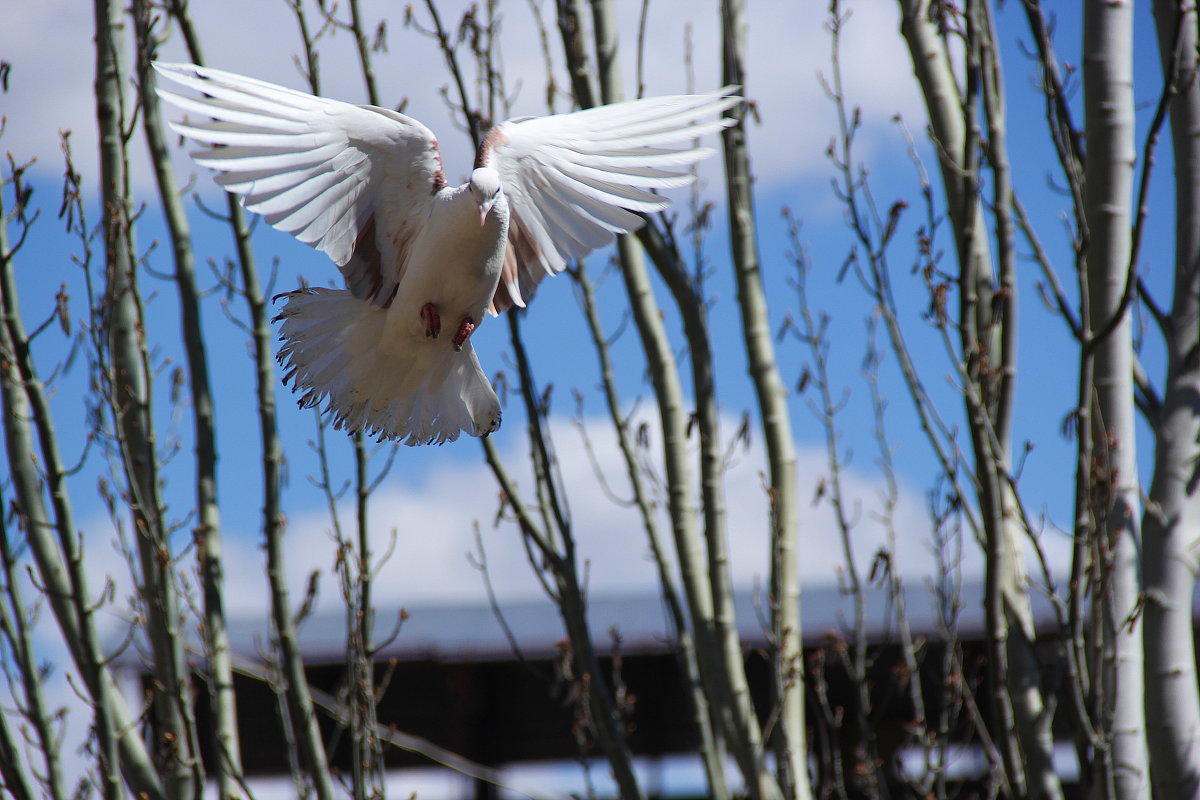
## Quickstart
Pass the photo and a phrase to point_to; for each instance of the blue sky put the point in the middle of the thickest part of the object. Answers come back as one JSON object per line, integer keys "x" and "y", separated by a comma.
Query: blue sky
{"x": 788, "y": 48}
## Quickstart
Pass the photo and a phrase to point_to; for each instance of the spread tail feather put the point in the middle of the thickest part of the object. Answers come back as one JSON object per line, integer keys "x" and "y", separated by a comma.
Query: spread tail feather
{"x": 428, "y": 394}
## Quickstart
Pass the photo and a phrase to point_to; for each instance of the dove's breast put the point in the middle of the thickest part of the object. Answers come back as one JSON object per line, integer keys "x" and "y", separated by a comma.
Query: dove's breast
{"x": 454, "y": 263}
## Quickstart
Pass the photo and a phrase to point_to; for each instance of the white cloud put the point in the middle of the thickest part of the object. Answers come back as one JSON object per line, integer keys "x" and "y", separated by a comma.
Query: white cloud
{"x": 787, "y": 46}
{"x": 435, "y": 513}
{"x": 435, "y": 516}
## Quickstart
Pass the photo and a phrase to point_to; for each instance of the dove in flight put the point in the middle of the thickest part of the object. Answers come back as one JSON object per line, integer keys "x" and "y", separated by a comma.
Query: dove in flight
{"x": 423, "y": 261}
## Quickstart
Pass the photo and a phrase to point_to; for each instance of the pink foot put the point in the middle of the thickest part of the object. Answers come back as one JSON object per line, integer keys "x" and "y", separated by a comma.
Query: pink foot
{"x": 465, "y": 329}
{"x": 433, "y": 320}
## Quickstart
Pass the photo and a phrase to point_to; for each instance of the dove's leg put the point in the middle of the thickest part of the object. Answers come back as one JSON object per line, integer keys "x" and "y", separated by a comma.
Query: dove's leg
{"x": 465, "y": 329}
{"x": 433, "y": 321}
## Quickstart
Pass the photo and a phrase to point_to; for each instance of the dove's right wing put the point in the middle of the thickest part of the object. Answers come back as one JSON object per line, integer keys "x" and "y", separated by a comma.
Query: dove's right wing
{"x": 573, "y": 179}
{"x": 355, "y": 182}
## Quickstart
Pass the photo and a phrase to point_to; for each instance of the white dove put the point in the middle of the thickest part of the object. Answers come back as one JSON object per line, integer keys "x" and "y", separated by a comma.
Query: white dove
{"x": 365, "y": 186}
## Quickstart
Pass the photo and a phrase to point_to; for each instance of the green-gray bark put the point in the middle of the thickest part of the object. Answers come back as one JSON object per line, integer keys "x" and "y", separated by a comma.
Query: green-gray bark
{"x": 1171, "y": 523}
{"x": 1121, "y": 771}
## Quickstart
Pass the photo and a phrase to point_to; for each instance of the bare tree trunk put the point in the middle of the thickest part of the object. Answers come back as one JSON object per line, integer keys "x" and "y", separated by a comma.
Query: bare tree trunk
{"x": 17, "y": 637}
{"x": 719, "y": 658}
{"x": 16, "y": 621}
{"x": 556, "y": 544}
{"x": 1024, "y": 673}
{"x": 219, "y": 670}
{"x": 60, "y": 567}
{"x": 987, "y": 324}
{"x": 1171, "y": 524}
{"x": 712, "y": 749}
{"x": 791, "y": 748}
{"x": 712, "y": 743}
{"x": 12, "y": 773}
{"x": 128, "y": 387}
{"x": 297, "y": 699}
{"x": 730, "y": 679}
{"x": 1108, "y": 192}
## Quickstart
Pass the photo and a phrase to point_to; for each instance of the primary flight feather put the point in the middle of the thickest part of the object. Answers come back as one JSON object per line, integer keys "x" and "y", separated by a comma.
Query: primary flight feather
{"x": 423, "y": 261}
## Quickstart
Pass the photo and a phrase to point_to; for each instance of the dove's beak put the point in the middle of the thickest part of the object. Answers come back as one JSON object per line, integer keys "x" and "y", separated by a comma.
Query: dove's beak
{"x": 484, "y": 208}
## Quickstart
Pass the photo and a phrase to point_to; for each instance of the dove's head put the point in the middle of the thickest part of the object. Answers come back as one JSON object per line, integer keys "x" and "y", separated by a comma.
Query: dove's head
{"x": 485, "y": 187}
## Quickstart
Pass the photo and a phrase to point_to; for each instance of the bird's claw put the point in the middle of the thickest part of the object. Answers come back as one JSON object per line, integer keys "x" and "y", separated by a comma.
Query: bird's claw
{"x": 433, "y": 321}
{"x": 465, "y": 329}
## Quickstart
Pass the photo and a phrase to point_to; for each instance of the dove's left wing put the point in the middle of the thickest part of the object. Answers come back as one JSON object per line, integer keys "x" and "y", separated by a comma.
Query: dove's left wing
{"x": 355, "y": 182}
{"x": 573, "y": 179}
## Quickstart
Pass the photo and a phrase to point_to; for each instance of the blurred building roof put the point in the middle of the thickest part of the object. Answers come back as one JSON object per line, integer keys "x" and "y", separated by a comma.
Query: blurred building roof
{"x": 447, "y": 632}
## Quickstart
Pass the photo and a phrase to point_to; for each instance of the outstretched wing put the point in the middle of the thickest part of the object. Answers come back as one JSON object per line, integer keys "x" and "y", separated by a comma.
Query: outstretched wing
{"x": 355, "y": 182}
{"x": 572, "y": 180}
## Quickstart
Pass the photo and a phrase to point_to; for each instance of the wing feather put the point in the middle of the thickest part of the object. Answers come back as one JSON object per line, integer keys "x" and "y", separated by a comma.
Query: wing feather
{"x": 355, "y": 182}
{"x": 234, "y": 114}
{"x": 646, "y": 178}
{"x": 255, "y": 161}
{"x": 574, "y": 180}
